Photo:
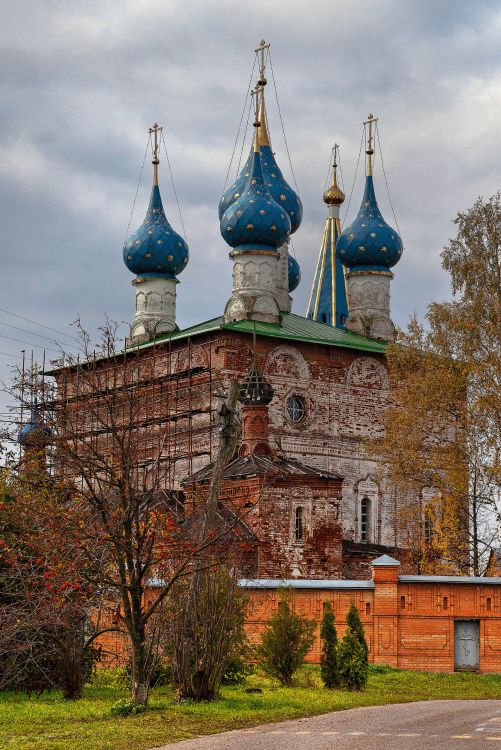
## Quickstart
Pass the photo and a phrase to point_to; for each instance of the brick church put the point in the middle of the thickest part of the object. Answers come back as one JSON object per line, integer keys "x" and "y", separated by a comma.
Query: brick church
{"x": 312, "y": 386}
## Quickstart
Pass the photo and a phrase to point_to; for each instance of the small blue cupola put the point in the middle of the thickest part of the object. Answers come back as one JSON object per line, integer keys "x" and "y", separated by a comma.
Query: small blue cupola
{"x": 34, "y": 433}
{"x": 254, "y": 220}
{"x": 294, "y": 271}
{"x": 155, "y": 249}
{"x": 369, "y": 243}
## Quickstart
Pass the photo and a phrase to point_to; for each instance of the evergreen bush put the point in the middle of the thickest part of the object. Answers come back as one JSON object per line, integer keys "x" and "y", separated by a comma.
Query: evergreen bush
{"x": 285, "y": 643}
{"x": 328, "y": 659}
{"x": 353, "y": 653}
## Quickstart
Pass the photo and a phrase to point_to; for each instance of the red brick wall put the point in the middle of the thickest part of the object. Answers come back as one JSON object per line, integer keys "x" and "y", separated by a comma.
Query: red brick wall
{"x": 413, "y": 632}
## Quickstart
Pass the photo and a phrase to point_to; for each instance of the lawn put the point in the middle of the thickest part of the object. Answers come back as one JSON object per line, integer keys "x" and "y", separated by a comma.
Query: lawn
{"x": 50, "y": 723}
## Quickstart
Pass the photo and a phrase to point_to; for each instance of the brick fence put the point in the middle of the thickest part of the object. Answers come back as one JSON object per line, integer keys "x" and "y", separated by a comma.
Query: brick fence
{"x": 432, "y": 623}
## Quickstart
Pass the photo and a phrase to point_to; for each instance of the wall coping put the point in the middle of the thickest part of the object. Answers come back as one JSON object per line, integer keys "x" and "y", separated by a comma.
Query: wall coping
{"x": 486, "y": 580}
{"x": 303, "y": 583}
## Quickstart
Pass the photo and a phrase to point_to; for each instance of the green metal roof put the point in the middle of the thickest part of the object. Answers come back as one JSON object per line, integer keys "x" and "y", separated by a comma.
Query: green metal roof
{"x": 292, "y": 328}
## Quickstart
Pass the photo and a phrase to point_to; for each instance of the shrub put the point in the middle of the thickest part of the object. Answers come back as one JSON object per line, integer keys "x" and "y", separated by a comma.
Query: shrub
{"x": 236, "y": 670}
{"x": 286, "y": 642}
{"x": 126, "y": 707}
{"x": 353, "y": 652}
{"x": 328, "y": 659}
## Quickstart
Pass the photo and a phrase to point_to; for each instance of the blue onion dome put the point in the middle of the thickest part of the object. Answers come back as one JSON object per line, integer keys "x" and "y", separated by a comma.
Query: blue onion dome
{"x": 155, "y": 249}
{"x": 294, "y": 273}
{"x": 279, "y": 189}
{"x": 33, "y": 433}
{"x": 369, "y": 243}
{"x": 234, "y": 192}
{"x": 255, "y": 219}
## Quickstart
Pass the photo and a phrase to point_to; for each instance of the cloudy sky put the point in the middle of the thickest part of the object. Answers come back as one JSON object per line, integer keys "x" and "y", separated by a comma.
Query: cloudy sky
{"x": 82, "y": 82}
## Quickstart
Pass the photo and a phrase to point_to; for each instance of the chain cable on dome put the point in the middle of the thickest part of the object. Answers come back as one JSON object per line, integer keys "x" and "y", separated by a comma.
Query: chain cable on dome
{"x": 355, "y": 176}
{"x": 137, "y": 189}
{"x": 282, "y": 122}
{"x": 386, "y": 181}
{"x": 162, "y": 137}
{"x": 240, "y": 124}
{"x": 245, "y": 135}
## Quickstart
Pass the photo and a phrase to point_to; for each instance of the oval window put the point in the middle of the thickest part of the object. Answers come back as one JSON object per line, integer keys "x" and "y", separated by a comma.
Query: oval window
{"x": 296, "y": 408}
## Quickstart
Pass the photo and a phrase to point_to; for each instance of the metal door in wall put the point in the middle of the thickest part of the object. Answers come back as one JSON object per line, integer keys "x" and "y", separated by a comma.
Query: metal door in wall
{"x": 466, "y": 645}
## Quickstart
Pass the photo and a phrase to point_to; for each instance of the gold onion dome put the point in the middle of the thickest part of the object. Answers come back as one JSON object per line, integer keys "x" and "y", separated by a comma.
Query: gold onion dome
{"x": 334, "y": 196}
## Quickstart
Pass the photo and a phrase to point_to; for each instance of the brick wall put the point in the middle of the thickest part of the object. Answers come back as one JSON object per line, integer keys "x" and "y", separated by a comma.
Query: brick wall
{"x": 408, "y": 624}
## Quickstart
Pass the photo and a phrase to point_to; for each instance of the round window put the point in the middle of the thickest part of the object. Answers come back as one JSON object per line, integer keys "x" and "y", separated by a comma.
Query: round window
{"x": 296, "y": 408}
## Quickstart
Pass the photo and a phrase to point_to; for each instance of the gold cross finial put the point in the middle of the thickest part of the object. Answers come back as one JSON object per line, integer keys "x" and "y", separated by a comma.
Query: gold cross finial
{"x": 155, "y": 131}
{"x": 371, "y": 120}
{"x": 262, "y": 65}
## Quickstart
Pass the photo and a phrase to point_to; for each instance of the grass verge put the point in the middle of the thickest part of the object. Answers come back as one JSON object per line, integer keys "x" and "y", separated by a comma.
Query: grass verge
{"x": 50, "y": 723}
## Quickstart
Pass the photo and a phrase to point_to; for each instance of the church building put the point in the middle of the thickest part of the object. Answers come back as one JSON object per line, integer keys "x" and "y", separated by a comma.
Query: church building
{"x": 312, "y": 386}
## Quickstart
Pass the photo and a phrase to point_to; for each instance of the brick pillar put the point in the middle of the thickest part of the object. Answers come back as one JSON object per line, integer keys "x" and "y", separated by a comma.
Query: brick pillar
{"x": 385, "y": 622}
{"x": 255, "y": 430}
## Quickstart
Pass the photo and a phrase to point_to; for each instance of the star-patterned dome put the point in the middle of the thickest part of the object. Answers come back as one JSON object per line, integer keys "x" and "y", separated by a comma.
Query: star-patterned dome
{"x": 254, "y": 218}
{"x": 34, "y": 433}
{"x": 279, "y": 189}
{"x": 369, "y": 243}
{"x": 155, "y": 249}
{"x": 294, "y": 273}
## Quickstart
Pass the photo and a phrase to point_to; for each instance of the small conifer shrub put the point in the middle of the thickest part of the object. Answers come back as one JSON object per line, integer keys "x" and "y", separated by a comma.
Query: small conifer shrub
{"x": 286, "y": 641}
{"x": 353, "y": 653}
{"x": 328, "y": 659}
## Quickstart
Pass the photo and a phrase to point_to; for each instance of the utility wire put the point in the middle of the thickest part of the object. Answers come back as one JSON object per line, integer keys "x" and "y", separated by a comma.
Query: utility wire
{"x": 34, "y": 322}
{"x": 33, "y": 333}
{"x": 28, "y": 343}
{"x": 173, "y": 186}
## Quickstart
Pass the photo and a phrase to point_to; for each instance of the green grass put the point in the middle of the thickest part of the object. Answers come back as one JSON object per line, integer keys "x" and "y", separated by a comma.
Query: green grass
{"x": 50, "y": 723}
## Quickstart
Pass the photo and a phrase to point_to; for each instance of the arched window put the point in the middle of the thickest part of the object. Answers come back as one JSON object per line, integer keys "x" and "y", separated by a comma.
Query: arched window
{"x": 365, "y": 505}
{"x": 298, "y": 530}
{"x": 296, "y": 408}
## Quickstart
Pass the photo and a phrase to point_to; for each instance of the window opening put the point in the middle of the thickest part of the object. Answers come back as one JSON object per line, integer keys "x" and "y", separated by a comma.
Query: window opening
{"x": 402, "y": 602}
{"x": 296, "y": 408}
{"x": 364, "y": 519}
{"x": 299, "y": 524}
{"x": 488, "y": 604}
{"x": 367, "y": 608}
{"x": 445, "y": 602}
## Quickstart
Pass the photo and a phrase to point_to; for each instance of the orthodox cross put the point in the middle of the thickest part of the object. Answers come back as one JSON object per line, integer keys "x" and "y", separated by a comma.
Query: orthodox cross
{"x": 260, "y": 52}
{"x": 371, "y": 120}
{"x": 155, "y": 131}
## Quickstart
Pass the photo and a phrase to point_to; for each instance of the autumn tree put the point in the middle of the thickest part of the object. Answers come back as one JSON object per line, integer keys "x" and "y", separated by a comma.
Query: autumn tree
{"x": 114, "y": 448}
{"x": 442, "y": 438}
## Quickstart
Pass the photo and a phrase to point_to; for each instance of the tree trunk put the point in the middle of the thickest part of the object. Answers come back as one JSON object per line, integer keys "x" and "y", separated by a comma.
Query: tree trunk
{"x": 140, "y": 671}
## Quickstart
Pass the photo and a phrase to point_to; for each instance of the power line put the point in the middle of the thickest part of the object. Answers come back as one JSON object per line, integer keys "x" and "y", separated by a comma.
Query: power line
{"x": 34, "y": 322}
{"x": 28, "y": 343}
{"x": 33, "y": 333}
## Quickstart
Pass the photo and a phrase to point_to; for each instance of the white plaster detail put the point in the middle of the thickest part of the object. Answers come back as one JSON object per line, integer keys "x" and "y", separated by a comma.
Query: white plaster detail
{"x": 369, "y": 304}
{"x": 155, "y": 308}
{"x": 282, "y": 296}
{"x": 254, "y": 280}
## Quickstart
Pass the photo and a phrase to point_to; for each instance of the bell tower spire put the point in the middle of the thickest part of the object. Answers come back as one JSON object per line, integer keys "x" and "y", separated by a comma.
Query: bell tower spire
{"x": 328, "y": 298}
